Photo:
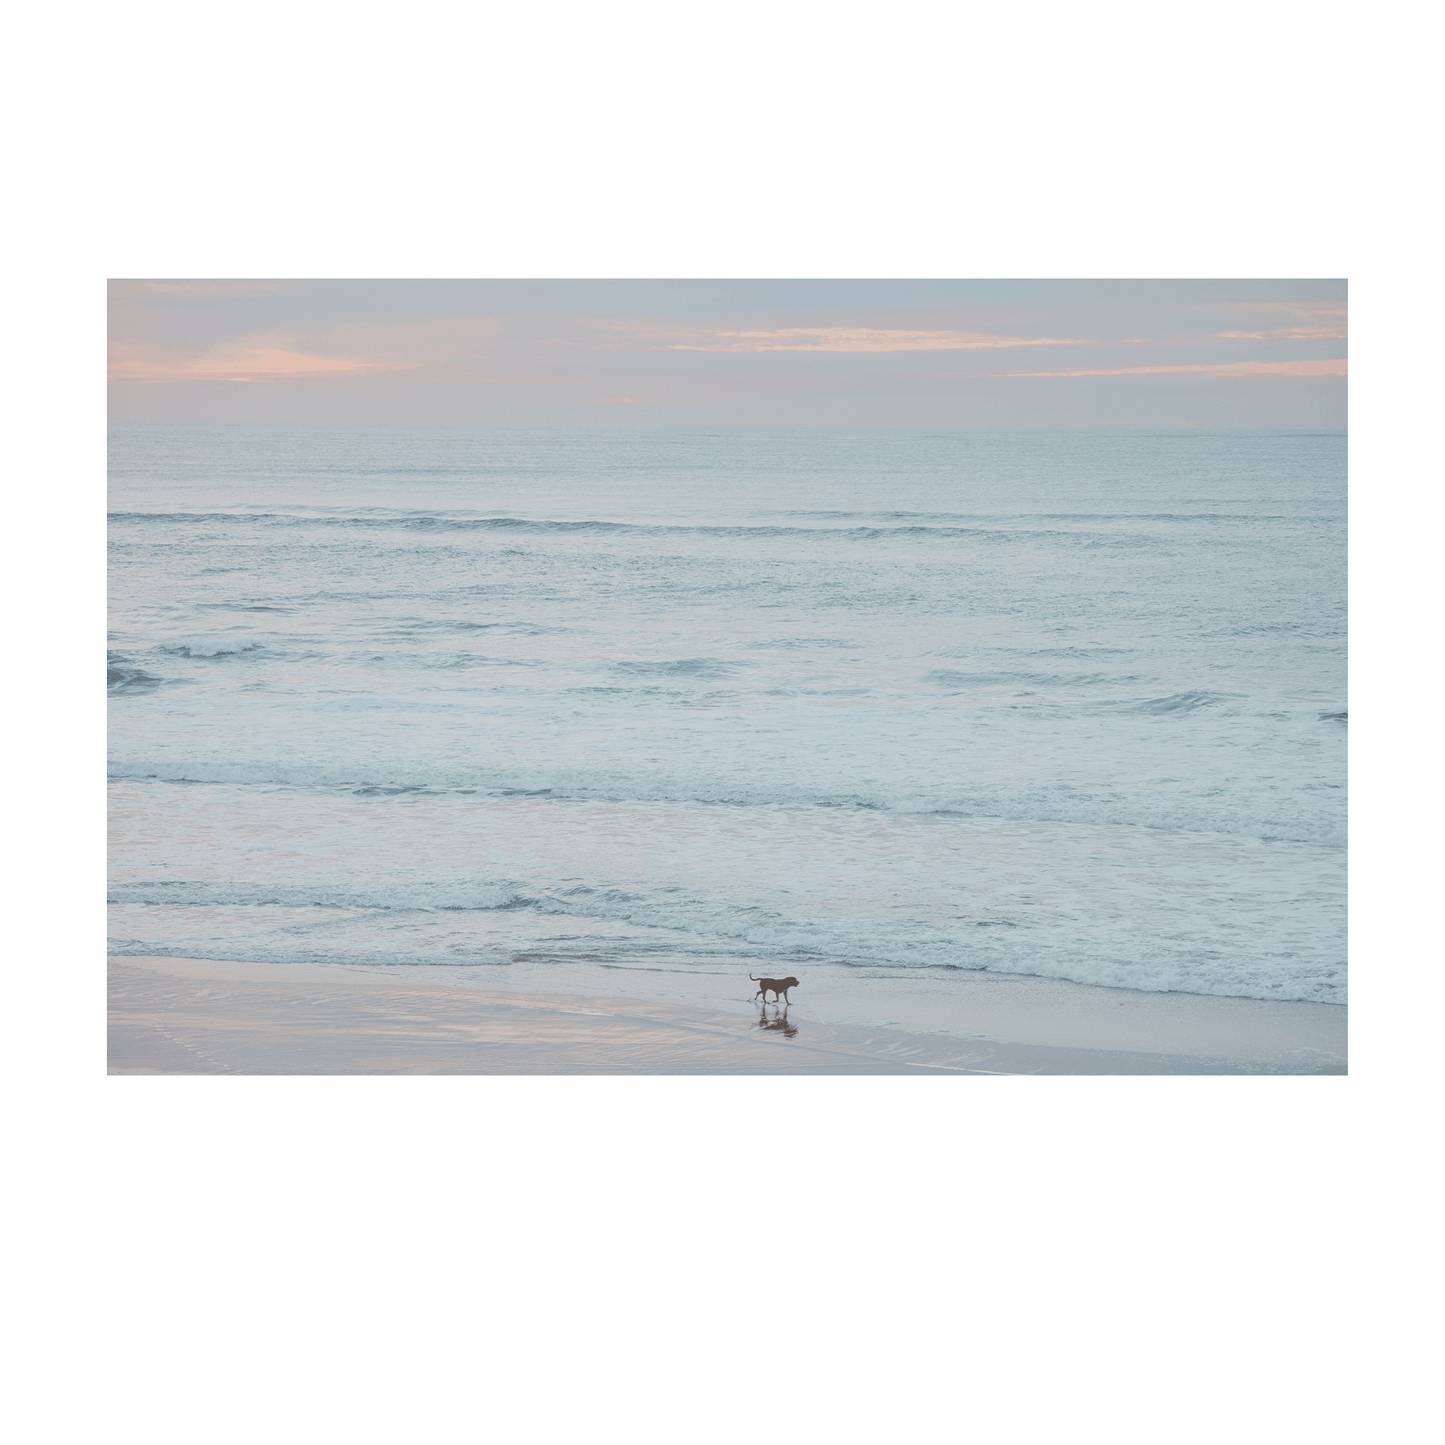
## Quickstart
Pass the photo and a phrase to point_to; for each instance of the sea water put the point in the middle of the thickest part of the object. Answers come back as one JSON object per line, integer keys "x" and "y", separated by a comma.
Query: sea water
{"x": 653, "y": 710}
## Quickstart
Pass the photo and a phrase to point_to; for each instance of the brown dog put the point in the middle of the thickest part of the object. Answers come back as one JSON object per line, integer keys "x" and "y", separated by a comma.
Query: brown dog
{"x": 779, "y": 986}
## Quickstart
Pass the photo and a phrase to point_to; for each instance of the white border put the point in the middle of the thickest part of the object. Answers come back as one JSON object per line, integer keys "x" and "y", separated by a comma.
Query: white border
{"x": 85, "y": 1097}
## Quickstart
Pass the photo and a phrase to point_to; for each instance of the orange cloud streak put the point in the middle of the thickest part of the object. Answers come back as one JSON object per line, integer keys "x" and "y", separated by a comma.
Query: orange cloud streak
{"x": 1335, "y": 367}
{"x": 1287, "y": 333}
{"x": 237, "y": 363}
{"x": 844, "y": 338}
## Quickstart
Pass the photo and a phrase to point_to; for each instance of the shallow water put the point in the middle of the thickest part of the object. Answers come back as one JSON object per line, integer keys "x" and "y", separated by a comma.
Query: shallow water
{"x": 1062, "y": 704}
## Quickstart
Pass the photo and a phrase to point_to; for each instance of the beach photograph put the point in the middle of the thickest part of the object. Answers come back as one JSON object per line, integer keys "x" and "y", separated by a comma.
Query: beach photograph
{"x": 921, "y": 677}
{"x": 767, "y": 767}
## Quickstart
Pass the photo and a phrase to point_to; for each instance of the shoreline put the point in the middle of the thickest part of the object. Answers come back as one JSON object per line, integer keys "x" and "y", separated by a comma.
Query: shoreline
{"x": 204, "y": 1016}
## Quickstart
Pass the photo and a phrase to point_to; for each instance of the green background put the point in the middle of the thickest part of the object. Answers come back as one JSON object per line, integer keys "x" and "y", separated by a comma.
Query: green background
{"x": 1018, "y": 1286}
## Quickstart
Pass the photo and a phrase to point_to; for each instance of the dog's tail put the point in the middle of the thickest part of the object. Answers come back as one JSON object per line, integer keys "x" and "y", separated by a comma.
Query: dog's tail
{"x": 754, "y": 979}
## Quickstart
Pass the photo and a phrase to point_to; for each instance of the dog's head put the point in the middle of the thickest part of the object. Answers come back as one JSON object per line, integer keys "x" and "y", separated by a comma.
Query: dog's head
{"x": 790, "y": 983}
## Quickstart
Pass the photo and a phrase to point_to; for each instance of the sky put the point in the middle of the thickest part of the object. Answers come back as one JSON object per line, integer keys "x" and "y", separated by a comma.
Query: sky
{"x": 904, "y": 353}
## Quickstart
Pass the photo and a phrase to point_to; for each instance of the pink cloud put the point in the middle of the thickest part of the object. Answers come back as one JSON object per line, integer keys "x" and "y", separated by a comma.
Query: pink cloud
{"x": 343, "y": 350}
{"x": 234, "y": 363}
{"x": 1335, "y": 367}
{"x": 865, "y": 339}
{"x": 1288, "y": 333}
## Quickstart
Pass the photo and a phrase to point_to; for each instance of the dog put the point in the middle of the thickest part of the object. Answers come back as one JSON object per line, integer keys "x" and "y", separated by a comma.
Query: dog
{"x": 779, "y": 987}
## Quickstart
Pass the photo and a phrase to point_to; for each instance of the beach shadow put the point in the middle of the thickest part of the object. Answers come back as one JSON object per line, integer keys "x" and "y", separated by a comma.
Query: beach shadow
{"x": 778, "y": 1022}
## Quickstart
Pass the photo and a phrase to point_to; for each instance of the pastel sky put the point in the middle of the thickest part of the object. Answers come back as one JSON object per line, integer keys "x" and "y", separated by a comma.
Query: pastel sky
{"x": 732, "y": 353}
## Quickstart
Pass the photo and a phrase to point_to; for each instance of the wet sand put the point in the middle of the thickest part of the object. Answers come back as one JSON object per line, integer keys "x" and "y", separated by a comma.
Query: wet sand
{"x": 200, "y": 1016}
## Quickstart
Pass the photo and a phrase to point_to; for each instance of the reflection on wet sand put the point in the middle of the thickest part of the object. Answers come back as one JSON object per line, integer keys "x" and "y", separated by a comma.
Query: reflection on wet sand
{"x": 778, "y": 1021}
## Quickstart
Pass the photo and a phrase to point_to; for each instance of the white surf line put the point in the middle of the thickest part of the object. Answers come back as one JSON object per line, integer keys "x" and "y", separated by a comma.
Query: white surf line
{"x": 963, "y": 1069}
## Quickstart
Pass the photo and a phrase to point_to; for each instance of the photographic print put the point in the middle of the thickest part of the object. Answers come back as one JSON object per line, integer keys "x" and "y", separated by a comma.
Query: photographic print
{"x": 822, "y": 677}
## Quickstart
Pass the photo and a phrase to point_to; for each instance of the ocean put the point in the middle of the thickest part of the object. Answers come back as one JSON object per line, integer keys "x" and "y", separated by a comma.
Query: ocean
{"x": 632, "y": 710}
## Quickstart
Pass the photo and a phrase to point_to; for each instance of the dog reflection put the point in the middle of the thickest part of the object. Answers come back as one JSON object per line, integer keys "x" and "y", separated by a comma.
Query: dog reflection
{"x": 778, "y": 1021}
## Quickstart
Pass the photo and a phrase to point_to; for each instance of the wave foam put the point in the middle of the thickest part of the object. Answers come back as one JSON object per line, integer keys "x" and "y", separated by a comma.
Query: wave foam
{"x": 209, "y": 647}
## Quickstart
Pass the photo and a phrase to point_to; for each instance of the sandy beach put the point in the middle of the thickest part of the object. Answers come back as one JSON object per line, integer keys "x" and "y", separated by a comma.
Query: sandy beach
{"x": 200, "y": 1016}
